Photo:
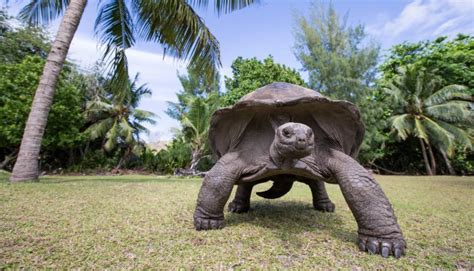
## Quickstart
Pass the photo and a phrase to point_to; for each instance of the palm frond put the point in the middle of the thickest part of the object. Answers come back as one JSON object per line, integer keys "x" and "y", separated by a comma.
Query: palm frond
{"x": 454, "y": 112}
{"x": 38, "y": 12}
{"x": 396, "y": 94}
{"x": 420, "y": 130}
{"x": 118, "y": 69}
{"x": 439, "y": 137}
{"x": 402, "y": 125}
{"x": 144, "y": 116}
{"x": 114, "y": 24}
{"x": 223, "y": 6}
{"x": 127, "y": 131}
{"x": 175, "y": 25}
{"x": 451, "y": 92}
{"x": 461, "y": 137}
{"x": 100, "y": 128}
{"x": 112, "y": 135}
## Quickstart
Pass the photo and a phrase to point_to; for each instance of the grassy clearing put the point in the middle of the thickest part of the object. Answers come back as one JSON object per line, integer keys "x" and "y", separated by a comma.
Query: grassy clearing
{"x": 141, "y": 222}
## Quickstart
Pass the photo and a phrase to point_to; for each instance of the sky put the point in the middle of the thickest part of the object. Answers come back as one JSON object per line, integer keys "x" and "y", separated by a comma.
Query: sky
{"x": 267, "y": 29}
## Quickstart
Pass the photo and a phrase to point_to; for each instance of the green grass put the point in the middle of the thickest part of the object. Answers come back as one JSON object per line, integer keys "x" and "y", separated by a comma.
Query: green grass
{"x": 137, "y": 222}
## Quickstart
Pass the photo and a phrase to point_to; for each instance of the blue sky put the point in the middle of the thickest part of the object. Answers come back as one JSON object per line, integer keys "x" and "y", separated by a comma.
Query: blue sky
{"x": 267, "y": 28}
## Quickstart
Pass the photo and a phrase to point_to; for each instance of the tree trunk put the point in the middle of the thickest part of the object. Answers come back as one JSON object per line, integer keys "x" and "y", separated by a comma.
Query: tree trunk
{"x": 425, "y": 158}
{"x": 123, "y": 158}
{"x": 195, "y": 160}
{"x": 26, "y": 166}
{"x": 432, "y": 159}
{"x": 448, "y": 163}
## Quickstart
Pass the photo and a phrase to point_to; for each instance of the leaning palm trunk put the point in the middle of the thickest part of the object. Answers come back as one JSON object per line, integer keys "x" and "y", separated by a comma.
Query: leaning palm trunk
{"x": 26, "y": 166}
{"x": 195, "y": 159}
{"x": 448, "y": 164}
{"x": 425, "y": 157}
{"x": 432, "y": 159}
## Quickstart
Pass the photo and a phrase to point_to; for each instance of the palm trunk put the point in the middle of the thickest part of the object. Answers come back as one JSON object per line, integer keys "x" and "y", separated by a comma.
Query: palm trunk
{"x": 448, "y": 163}
{"x": 432, "y": 159}
{"x": 195, "y": 159}
{"x": 425, "y": 157}
{"x": 26, "y": 167}
{"x": 123, "y": 158}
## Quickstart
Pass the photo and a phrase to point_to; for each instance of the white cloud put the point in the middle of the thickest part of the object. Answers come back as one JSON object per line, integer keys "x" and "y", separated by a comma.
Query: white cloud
{"x": 157, "y": 72}
{"x": 160, "y": 74}
{"x": 427, "y": 19}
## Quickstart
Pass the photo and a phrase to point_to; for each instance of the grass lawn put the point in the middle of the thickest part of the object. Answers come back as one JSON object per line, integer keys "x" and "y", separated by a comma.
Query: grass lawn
{"x": 141, "y": 222}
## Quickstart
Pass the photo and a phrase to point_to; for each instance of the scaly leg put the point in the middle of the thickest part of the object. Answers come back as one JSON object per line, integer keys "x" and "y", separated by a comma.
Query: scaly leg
{"x": 241, "y": 202}
{"x": 379, "y": 232}
{"x": 215, "y": 192}
{"x": 321, "y": 201}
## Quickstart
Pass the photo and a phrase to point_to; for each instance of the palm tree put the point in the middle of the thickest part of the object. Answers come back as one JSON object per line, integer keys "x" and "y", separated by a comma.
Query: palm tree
{"x": 195, "y": 124}
{"x": 172, "y": 23}
{"x": 196, "y": 103}
{"x": 439, "y": 116}
{"x": 119, "y": 122}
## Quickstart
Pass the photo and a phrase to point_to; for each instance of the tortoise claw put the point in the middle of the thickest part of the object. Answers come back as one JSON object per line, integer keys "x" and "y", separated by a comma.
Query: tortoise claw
{"x": 382, "y": 246}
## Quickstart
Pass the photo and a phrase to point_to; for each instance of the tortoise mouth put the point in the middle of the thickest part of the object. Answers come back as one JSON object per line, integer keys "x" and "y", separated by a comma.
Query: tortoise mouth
{"x": 301, "y": 147}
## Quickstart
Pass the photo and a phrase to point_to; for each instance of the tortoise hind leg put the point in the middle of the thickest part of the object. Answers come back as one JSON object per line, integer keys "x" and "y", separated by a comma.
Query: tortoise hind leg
{"x": 241, "y": 202}
{"x": 321, "y": 201}
{"x": 379, "y": 232}
{"x": 215, "y": 192}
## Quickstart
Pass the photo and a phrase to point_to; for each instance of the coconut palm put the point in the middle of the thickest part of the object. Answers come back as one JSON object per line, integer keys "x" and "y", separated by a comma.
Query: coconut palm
{"x": 197, "y": 101}
{"x": 172, "y": 23}
{"x": 117, "y": 119}
{"x": 439, "y": 116}
{"x": 195, "y": 124}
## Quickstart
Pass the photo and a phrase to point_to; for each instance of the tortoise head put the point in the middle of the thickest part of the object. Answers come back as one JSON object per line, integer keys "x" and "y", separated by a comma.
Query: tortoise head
{"x": 292, "y": 140}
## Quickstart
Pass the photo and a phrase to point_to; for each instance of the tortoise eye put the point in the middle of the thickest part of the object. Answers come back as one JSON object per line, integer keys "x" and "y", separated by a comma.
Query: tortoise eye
{"x": 286, "y": 132}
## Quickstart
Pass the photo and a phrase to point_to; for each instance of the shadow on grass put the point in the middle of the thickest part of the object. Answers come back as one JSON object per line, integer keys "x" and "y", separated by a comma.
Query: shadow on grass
{"x": 287, "y": 219}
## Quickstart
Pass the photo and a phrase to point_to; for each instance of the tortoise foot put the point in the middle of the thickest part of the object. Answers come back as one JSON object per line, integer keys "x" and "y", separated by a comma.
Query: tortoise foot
{"x": 324, "y": 206}
{"x": 238, "y": 207}
{"x": 204, "y": 224}
{"x": 385, "y": 247}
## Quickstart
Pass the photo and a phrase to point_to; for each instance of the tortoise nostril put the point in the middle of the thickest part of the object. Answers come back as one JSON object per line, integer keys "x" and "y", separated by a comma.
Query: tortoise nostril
{"x": 301, "y": 140}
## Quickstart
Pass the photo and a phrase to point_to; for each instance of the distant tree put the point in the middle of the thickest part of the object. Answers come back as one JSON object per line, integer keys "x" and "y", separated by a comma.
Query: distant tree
{"x": 16, "y": 43}
{"x": 438, "y": 115}
{"x": 452, "y": 61}
{"x": 340, "y": 61}
{"x": 250, "y": 74}
{"x": 196, "y": 103}
{"x": 171, "y": 23}
{"x": 18, "y": 82}
{"x": 117, "y": 120}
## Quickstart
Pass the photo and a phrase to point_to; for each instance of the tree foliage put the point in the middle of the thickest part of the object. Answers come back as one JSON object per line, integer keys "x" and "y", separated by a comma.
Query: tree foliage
{"x": 116, "y": 118}
{"x": 449, "y": 62}
{"x": 452, "y": 60}
{"x": 438, "y": 115}
{"x": 18, "y": 83}
{"x": 18, "y": 43}
{"x": 197, "y": 101}
{"x": 250, "y": 74}
{"x": 340, "y": 61}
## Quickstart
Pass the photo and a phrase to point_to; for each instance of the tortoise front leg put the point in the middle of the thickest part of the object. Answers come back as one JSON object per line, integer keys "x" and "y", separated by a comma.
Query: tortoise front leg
{"x": 321, "y": 201}
{"x": 379, "y": 232}
{"x": 215, "y": 192}
{"x": 241, "y": 202}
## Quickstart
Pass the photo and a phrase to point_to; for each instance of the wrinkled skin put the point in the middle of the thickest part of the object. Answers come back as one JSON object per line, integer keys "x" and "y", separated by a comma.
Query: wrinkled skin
{"x": 294, "y": 153}
{"x": 324, "y": 136}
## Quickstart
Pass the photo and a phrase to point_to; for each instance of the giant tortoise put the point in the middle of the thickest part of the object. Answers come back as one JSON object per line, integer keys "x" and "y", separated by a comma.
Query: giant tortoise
{"x": 285, "y": 133}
